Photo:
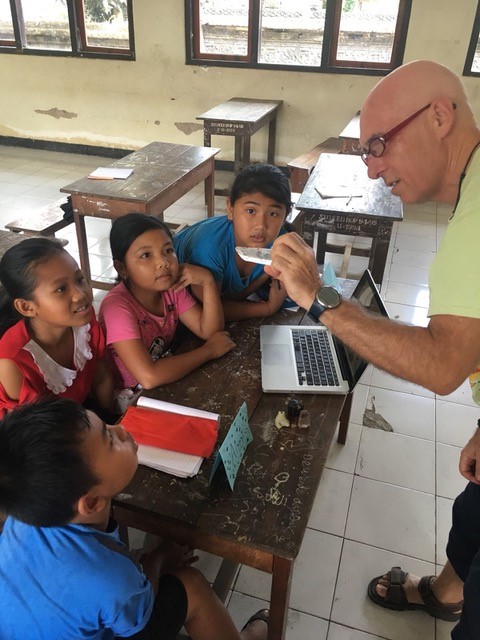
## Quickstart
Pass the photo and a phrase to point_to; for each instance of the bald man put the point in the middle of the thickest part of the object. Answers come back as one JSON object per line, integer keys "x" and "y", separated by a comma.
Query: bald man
{"x": 419, "y": 135}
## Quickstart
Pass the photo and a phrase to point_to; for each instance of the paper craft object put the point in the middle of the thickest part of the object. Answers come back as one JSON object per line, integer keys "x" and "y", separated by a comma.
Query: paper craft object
{"x": 173, "y": 427}
{"x": 230, "y": 454}
{"x": 329, "y": 278}
{"x": 110, "y": 173}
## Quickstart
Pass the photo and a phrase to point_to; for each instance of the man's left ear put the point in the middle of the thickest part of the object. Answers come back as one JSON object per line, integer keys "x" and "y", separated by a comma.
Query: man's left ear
{"x": 90, "y": 504}
{"x": 444, "y": 116}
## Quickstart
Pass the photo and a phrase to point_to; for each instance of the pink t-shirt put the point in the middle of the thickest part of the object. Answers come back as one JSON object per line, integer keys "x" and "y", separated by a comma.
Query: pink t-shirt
{"x": 123, "y": 318}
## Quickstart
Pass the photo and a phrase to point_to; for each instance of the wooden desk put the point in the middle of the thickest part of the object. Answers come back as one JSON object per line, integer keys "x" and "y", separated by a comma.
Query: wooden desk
{"x": 351, "y": 135}
{"x": 241, "y": 118}
{"x": 372, "y": 215}
{"x": 262, "y": 522}
{"x": 163, "y": 173}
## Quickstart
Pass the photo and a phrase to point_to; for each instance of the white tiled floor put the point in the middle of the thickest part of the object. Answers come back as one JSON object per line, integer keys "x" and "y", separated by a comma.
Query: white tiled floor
{"x": 385, "y": 497}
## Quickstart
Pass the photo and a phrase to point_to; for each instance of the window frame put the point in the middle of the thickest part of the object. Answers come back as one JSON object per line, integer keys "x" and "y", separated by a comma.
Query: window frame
{"x": 329, "y": 62}
{"x": 472, "y": 46}
{"x": 78, "y": 36}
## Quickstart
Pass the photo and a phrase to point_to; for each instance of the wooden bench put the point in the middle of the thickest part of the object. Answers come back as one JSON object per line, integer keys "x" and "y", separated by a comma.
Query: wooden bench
{"x": 41, "y": 222}
{"x": 301, "y": 167}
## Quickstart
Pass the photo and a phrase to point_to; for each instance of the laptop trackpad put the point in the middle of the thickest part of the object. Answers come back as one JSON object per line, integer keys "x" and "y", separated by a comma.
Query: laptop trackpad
{"x": 276, "y": 354}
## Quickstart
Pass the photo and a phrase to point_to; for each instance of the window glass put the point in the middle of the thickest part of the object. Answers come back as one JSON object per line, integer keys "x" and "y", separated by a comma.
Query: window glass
{"x": 291, "y": 32}
{"x": 46, "y": 24}
{"x": 476, "y": 58}
{"x": 224, "y": 27}
{"x": 6, "y": 26}
{"x": 367, "y": 29}
{"x": 106, "y": 24}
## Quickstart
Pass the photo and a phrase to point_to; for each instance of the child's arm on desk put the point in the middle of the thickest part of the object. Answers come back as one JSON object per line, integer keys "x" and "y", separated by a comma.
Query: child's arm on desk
{"x": 103, "y": 386}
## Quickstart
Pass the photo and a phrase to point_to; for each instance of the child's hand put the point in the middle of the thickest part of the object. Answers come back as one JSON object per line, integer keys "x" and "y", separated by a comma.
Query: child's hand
{"x": 191, "y": 274}
{"x": 277, "y": 295}
{"x": 219, "y": 343}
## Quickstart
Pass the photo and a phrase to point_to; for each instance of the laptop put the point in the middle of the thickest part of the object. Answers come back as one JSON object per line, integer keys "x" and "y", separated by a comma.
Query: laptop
{"x": 309, "y": 359}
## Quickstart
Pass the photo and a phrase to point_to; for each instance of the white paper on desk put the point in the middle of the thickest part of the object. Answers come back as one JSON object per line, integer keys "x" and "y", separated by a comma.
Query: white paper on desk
{"x": 160, "y": 405}
{"x": 339, "y": 191}
{"x": 110, "y": 173}
{"x": 177, "y": 464}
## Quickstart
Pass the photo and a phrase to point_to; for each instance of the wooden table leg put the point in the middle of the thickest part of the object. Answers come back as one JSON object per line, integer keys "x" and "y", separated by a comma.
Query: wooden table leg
{"x": 246, "y": 151}
{"x": 224, "y": 579}
{"x": 207, "y": 142}
{"x": 82, "y": 244}
{"x": 239, "y": 142}
{"x": 379, "y": 250}
{"x": 345, "y": 419}
{"x": 272, "y": 132}
{"x": 210, "y": 191}
{"x": 279, "y": 597}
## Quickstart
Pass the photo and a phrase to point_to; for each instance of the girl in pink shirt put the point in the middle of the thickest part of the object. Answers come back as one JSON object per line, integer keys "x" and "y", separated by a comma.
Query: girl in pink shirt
{"x": 141, "y": 313}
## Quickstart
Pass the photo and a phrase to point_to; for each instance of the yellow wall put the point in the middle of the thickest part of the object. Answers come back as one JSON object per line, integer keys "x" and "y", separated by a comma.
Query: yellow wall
{"x": 129, "y": 104}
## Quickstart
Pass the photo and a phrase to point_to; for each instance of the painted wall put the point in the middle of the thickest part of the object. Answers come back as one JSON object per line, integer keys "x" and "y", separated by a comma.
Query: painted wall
{"x": 129, "y": 104}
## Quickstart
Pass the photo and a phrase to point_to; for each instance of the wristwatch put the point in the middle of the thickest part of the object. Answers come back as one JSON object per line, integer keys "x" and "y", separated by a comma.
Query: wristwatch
{"x": 325, "y": 298}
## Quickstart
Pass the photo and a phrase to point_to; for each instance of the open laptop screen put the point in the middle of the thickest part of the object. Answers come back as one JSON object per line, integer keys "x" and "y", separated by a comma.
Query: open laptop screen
{"x": 367, "y": 294}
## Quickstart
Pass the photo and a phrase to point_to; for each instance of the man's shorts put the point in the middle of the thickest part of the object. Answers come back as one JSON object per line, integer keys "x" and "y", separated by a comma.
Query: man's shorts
{"x": 464, "y": 541}
{"x": 169, "y": 611}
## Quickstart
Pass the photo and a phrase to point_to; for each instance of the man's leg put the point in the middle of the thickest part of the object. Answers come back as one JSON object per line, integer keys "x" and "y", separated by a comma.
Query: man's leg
{"x": 447, "y": 587}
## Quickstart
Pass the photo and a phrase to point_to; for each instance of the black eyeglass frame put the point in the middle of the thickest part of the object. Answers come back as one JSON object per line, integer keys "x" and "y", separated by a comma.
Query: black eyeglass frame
{"x": 389, "y": 135}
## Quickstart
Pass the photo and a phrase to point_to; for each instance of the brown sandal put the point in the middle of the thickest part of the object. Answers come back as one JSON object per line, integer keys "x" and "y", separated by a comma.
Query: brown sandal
{"x": 396, "y": 598}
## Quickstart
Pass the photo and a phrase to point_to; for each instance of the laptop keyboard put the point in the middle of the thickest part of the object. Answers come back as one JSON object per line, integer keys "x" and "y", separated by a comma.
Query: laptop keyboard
{"x": 314, "y": 359}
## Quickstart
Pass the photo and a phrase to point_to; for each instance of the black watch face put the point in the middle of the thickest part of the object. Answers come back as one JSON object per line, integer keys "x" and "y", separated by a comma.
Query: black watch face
{"x": 329, "y": 297}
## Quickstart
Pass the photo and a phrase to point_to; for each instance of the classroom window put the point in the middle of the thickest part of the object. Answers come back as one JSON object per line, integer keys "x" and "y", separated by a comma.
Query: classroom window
{"x": 472, "y": 63}
{"x": 87, "y": 28}
{"x": 317, "y": 35}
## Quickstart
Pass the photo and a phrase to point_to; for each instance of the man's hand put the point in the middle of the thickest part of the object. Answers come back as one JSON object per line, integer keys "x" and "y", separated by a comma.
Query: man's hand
{"x": 470, "y": 459}
{"x": 294, "y": 264}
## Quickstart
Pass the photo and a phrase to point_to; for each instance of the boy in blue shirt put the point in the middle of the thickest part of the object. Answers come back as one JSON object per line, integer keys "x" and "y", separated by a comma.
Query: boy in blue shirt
{"x": 259, "y": 202}
{"x": 64, "y": 574}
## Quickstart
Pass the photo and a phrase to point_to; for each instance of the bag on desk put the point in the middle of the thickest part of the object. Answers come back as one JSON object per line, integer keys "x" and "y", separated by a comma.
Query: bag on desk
{"x": 173, "y": 431}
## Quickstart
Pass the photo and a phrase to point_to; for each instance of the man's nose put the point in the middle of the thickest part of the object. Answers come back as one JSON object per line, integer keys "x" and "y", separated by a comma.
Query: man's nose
{"x": 375, "y": 166}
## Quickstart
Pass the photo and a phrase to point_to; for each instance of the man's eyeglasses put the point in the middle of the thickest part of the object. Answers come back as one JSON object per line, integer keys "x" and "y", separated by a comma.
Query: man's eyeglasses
{"x": 378, "y": 144}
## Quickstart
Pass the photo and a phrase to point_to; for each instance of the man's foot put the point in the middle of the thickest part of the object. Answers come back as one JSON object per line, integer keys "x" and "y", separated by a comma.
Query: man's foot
{"x": 256, "y": 627}
{"x": 401, "y": 591}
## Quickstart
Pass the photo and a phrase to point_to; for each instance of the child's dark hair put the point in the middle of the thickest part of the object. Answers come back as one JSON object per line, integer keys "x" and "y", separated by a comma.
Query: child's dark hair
{"x": 42, "y": 471}
{"x": 126, "y": 229}
{"x": 17, "y": 274}
{"x": 262, "y": 178}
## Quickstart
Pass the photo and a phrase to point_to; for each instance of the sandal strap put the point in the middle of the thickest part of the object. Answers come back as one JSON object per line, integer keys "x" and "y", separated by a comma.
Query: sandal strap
{"x": 395, "y": 591}
{"x": 432, "y": 603}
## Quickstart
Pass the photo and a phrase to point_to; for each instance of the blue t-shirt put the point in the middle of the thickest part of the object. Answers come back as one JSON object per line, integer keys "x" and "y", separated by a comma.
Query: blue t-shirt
{"x": 210, "y": 243}
{"x": 67, "y": 583}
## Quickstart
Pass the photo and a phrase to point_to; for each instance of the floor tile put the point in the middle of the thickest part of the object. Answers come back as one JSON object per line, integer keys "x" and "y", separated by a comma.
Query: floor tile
{"x": 400, "y": 460}
{"x": 412, "y": 294}
{"x": 456, "y": 423}
{"x": 406, "y": 413}
{"x": 417, "y": 229}
{"x": 330, "y": 508}
{"x": 462, "y": 395}
{"x": 409, "y": 274}
{"x": 449, "y": 480}
{"x": 444, "y": 630}
{"x": 415, "y": 244}
{"x": 392, "y": 518}
{"x": 386, "y": 381}
{"x": 407, "y": 313}
{"x": 421, "y": 259}
{"x": 314, "y": 575}
{"x": 339, "y": 632}
{"x": 360, "y": 396}
{"x": 444, "y": 523}
{"x": 343, "y": 457}
{"x": 352, "y": 608}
